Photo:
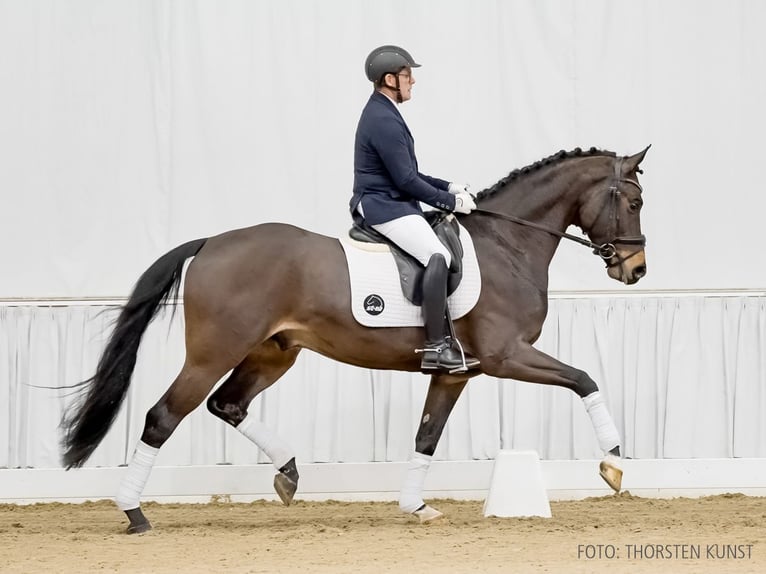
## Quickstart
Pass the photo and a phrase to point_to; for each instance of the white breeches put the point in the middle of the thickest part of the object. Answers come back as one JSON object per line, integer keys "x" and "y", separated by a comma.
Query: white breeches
{"x": 413, "y": 234}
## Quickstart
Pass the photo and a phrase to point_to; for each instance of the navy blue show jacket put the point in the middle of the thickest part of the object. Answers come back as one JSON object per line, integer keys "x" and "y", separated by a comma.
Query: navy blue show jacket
{"x": 386, "y": 176}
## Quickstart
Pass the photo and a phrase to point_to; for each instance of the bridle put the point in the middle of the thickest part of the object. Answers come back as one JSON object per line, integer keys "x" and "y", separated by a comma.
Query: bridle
{"x": 607, "y": 251}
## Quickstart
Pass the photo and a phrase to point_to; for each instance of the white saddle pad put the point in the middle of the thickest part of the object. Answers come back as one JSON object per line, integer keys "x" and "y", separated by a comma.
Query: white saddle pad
{"x": 376, "y": 291}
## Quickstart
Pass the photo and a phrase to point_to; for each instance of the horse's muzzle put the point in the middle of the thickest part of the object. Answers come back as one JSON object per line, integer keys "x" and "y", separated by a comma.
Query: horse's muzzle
{"x": 627, "y": 266}
{"x": 635, "y": 274}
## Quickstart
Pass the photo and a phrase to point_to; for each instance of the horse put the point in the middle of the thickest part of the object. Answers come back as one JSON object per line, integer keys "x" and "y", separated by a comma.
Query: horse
{"x": 254, "y": 297}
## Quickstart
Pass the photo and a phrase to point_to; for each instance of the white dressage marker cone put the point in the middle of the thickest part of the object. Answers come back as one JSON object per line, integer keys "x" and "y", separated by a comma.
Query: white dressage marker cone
{"x": 517, "y": 487}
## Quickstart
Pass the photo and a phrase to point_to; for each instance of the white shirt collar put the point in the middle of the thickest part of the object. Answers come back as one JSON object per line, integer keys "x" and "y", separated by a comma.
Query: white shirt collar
{"x": 390, "y": 99}
{"x": 396, "y": 106}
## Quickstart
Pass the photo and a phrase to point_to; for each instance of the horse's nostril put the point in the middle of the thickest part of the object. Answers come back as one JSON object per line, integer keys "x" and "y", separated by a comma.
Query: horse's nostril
{"x": 639, "y": 271}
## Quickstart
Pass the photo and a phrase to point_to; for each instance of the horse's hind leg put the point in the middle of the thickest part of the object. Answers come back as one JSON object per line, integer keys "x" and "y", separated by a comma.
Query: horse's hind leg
{"x": 188, "y": 390}
{"x": 443, "y": 393}
{"x": 231, "y": 400}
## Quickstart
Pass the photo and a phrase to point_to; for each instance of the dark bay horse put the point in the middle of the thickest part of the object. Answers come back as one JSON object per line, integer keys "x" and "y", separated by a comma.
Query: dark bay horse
{"x": 254, "y": 297}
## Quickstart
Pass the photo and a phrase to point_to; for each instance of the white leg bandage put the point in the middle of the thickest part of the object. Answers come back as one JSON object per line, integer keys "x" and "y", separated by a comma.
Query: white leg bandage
{"x": 606, "y": 432}
{"x": 275, "y": 448}
{"x": 411, "y": 497}
{"x": 132, "y": 485}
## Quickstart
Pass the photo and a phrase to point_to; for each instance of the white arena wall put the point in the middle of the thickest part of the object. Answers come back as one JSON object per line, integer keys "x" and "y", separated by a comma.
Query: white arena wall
{"x": 683, "y": 376}
{"x": 128, "y": 127}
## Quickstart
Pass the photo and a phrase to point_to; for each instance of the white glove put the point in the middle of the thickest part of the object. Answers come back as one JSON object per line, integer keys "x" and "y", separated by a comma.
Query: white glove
{"x": 464, "y": 203}
{"x": 455, "y": 188}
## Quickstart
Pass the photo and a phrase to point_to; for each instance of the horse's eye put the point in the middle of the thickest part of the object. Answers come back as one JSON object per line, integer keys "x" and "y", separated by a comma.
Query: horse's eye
{"x": 634, "y": 206}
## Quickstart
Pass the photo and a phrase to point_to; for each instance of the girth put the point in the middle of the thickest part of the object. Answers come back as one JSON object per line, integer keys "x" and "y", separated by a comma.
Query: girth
{"x": 410, "y": 269}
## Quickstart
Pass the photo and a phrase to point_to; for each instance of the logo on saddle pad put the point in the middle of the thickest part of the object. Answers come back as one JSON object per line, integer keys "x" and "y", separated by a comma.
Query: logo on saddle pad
{"x": 374, "y": 305}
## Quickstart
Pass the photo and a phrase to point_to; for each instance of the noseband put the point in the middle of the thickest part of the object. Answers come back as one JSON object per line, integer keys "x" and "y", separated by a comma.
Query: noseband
{"x": 608, "y": 250}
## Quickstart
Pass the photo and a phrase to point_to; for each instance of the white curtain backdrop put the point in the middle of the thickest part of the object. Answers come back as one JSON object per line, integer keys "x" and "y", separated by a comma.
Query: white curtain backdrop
{"x": 130, "y": 126}
{"x": 684, "y": 377}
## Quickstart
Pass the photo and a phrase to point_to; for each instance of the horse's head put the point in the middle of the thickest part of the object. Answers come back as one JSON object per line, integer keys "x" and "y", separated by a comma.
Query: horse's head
{"x": 611, "y": 216}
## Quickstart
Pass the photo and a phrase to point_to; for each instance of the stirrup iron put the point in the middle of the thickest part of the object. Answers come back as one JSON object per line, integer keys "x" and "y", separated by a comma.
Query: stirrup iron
{"x": 452, "y": 337}
{"x": 439, "y": 350}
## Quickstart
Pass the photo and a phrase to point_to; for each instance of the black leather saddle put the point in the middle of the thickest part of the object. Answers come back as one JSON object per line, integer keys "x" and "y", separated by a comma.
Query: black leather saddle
{"x": 410, "y": 269}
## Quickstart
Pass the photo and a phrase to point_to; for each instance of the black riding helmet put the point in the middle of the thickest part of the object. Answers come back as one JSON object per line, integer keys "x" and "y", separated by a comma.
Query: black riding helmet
{"x": 387, "y": 60}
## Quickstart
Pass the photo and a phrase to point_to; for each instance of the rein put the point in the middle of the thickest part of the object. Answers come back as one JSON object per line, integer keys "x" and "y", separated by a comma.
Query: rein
{"x": 533, "y": 225}
{"x": 606, "y": 251}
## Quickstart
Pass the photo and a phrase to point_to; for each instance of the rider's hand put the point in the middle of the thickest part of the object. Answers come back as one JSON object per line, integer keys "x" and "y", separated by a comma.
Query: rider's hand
{"x": 455, "y": 188}
{"x": 464, "y": 203}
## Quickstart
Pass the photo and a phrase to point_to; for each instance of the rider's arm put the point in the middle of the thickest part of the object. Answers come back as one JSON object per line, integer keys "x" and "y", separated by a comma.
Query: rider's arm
{"x": 391, "y": 143}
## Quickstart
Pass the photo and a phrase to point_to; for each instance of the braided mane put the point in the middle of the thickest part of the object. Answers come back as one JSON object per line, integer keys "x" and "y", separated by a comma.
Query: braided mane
{"x": 550, "y": 160}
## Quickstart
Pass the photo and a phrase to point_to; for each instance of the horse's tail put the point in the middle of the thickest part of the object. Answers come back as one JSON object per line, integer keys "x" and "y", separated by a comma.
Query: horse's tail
{"x": 87, "y": 421}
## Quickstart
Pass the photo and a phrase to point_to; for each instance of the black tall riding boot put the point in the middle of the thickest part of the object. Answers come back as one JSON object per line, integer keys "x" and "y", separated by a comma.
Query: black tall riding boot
{"x": 439, "y": 352}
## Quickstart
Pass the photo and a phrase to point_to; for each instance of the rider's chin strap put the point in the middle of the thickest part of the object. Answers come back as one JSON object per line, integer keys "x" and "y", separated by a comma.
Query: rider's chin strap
{"x": 399, "y": 98}
{"x": 398, "y": 87}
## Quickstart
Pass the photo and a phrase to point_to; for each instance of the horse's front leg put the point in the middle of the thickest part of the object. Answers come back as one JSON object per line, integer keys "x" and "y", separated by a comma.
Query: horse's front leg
{"x": 443, "y": 393}
{"x": 525, "y": 363}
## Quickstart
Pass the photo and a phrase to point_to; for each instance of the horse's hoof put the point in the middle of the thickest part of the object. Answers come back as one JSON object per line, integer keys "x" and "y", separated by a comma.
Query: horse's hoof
{"x": 138, "y": 522}
{"x": 427, "y": 514}
{"x": 139, "y": 528}
{"x": 285, "y": 488}
{"x": 610, "y": 471}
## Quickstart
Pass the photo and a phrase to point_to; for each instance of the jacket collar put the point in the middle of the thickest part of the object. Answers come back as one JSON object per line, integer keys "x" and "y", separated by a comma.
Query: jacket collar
{"x": 385, "y": 101}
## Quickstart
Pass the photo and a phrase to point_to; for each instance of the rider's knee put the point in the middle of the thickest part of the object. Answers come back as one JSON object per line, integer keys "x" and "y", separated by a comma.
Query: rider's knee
{"x": 440, "y": 257}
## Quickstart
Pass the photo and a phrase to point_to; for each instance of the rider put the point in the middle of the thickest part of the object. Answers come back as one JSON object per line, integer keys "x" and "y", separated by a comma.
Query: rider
{"x": 388, "y": 188}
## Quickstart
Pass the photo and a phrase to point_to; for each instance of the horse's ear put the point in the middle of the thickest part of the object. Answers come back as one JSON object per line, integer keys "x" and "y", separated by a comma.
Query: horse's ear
{"x": 631, "y": 163}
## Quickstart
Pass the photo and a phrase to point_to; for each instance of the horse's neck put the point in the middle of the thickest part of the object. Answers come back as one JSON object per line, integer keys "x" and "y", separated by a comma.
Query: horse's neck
{"x": 549, "y": 198}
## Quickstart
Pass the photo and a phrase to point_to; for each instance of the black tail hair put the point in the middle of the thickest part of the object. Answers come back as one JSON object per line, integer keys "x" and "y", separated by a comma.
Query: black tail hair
{"x": 86, "y": 423}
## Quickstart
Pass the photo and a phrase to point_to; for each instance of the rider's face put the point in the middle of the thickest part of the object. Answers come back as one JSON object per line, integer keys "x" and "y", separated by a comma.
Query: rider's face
{"x": 406, "y": 81}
